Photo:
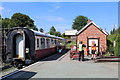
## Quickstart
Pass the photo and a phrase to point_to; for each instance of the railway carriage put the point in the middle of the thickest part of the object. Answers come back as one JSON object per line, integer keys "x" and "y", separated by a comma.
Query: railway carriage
{"x": 25, "y": 46}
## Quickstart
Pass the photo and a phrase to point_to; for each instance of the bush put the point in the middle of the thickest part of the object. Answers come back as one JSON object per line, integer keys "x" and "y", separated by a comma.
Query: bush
{"x": 117, "y": 45}
{"x": 70, "y": 43}
{"x": 110, "y": 47}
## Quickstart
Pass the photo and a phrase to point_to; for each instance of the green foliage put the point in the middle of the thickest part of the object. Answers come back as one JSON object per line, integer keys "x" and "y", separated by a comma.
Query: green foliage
{"x": 0, "y": 21}
{"x": 114, "y": 37}
{"x": 6, "y": 23}
{"x": 111, "y": 37}
{"x": 18, "y": 20}
{"x": 118, "y": 30}
{"x": 115, "y": 31}
{"x": 58, "y": 34}
{"x": 79, "y": 22}
{"x": 117, "y": 45}
{"x": 65, "y": 37}
{"x": 52, "y": 30}
{"x": 34, "y": 28}
{"x": 110, "y": 47}
{"x": 112, "y": 31}
{"x": 108, "y": 54}
{"x": 41, "y": 30}
{"x": 69, "y": 44}
{"x": 22, "y": 20}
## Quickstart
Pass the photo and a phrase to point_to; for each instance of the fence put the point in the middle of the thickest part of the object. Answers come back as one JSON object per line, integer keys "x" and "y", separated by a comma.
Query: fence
{"x": 3, "y": 32}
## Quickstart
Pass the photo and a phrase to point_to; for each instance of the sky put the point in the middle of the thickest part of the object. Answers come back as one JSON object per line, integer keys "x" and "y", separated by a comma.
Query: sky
{"x": 62, "y": 14}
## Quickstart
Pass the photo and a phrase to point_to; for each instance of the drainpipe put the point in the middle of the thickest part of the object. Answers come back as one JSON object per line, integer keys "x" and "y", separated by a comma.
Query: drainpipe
{"x": 76, "y": 41}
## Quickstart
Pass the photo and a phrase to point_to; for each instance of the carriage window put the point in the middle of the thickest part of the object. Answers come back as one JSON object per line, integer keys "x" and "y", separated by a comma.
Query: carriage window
{"x": 51, "y": 40}
{"x": 55, "y": 42}
{"x": 37, "y": 43}
{"x": 59, "y": 42}
{"x": 52, "y": 43}
{"x": 48, "y": 43}
{"x": 42, "y": 43}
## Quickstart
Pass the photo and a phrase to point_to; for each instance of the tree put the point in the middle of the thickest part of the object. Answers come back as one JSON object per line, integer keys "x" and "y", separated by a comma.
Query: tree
{"x": 6, "y": 23}
{"x": 117, "y": 45}
{"x": 22, "y": 20}
{"x": 115, "y": 39}
{"x": 35, "y": 28}
{"x": 113, "y": 31}
{"x": 0, "y": 21}
{"x": 119, "y": 30}
{"x": 110, "y": 47}
{"x": 19, "y": 20}
{"x": 58, "y": 34}
{"x": 63, "y": 35}
{"x": 79, "y": 22}
{"x": 41, "y": 30}
{"x": 52, "y": 30}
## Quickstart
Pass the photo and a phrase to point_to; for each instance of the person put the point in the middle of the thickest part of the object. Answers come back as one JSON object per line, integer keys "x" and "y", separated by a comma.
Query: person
{"x": 87, "y": 50}
{"x": 81, "y": 50}
{"x": 103, "y": 51}
{"x": 74, "y": 48}
{"x": 93, "y": 49}
{"x": 60, "y": 50}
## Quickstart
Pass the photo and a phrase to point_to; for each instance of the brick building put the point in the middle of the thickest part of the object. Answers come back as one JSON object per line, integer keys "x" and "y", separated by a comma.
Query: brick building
{"x": 93, "y": 33}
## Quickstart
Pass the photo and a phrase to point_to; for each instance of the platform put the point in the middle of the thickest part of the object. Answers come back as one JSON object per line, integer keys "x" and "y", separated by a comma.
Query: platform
{"x": 63, "y": 67}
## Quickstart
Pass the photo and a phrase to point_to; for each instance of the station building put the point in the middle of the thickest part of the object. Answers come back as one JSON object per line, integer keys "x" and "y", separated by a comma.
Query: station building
{"x": 91, "y": 32}
{"x": 71, "y": 34}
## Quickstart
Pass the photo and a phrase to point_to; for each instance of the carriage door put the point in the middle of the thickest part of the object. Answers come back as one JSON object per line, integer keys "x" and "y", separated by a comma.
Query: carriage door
{"x": 93, "y": 40}
{"x": 20, "y": 43}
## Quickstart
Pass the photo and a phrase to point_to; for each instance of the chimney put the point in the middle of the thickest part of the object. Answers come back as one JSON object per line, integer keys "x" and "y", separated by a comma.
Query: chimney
{"x": 88, "y": 21}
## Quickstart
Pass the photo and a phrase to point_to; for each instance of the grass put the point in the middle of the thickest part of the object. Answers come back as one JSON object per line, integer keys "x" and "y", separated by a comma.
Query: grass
{"x": 69, "y": 44}
{"x": 107, "y": 54}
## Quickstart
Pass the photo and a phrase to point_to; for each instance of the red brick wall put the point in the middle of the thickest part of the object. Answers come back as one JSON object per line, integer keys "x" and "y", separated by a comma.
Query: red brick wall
{"x": 92, "y": 32}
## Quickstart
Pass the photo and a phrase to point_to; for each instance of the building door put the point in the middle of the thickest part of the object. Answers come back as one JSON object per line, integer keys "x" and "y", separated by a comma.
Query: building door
{"x": 91, "y": 41}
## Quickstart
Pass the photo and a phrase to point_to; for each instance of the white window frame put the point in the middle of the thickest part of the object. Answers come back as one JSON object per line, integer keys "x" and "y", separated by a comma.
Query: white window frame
{"x": 36, "y": 45}
{"x": 48, "y": 42}
{"x": 41, "y": 43}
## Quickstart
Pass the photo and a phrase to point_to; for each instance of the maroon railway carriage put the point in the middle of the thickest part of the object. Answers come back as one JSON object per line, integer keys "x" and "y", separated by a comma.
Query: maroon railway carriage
{"x": 25, "y": 46}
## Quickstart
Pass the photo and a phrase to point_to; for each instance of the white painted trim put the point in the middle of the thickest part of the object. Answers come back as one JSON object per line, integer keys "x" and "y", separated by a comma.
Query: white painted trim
{"x": 45, "y": 42}
{"x": 88, "y": 25}
{"x": 39, "y": 42}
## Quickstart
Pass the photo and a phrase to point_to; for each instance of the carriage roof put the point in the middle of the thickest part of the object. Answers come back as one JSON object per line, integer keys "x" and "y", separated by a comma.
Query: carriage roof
{"x": 46, "y": 35}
